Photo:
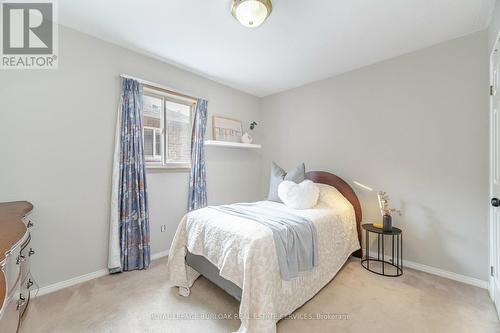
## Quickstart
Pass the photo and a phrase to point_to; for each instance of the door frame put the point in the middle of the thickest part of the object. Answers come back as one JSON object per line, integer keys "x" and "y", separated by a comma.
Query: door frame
{"x": 492, "y": 244}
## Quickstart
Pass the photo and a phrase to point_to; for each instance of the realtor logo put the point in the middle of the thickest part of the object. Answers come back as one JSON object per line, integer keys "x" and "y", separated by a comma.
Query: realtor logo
{"x": 29, "y": 35}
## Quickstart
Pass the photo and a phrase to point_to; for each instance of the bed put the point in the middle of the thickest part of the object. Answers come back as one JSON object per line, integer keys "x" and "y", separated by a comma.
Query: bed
{"x": 239, "y": 256}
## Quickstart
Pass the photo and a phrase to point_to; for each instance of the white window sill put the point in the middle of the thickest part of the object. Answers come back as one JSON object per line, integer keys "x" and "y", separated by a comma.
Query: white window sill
{"x": 168, "y": 167}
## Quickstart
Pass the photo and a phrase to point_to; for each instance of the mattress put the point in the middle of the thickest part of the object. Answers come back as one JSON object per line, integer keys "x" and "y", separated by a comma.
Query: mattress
{"x": 242, "y": 253}
{"x": 211, "y": 272}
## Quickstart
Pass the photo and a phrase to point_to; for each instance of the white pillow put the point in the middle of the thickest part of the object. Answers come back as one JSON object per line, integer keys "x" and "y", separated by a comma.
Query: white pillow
{"x": 330, "y": 197}
{"x": 298, "y": 196}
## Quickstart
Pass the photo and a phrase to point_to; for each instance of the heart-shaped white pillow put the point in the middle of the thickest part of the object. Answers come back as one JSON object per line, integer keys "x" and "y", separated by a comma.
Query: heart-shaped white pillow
{"x": 298, "y": 196}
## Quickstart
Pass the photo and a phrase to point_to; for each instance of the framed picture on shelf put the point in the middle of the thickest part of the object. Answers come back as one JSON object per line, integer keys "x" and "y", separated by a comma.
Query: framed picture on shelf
{"x": 226, "y": 129}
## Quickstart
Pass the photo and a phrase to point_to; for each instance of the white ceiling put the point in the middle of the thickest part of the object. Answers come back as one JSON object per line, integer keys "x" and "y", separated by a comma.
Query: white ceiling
{"x": 302, "y": 41}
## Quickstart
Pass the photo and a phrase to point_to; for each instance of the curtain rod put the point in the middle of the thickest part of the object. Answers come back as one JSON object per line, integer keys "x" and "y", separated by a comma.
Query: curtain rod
{"x": 160, "y": 87}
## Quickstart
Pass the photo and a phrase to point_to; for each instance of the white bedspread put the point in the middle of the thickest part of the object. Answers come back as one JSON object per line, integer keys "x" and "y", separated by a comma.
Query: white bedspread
{"x": 245, "y": 254}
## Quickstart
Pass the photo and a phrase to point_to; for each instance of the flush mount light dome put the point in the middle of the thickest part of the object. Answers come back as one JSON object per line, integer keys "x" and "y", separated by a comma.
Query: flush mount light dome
{"x": 251, "y": 13}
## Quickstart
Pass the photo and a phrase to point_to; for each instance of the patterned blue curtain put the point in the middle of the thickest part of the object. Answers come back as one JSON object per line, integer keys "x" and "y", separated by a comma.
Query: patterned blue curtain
{"x": 197, "y": 182}
{"x": 132, "y": 195}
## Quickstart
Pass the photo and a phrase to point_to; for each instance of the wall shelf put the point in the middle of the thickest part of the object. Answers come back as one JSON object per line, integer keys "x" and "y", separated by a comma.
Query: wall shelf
{"x": 214, "y": 143}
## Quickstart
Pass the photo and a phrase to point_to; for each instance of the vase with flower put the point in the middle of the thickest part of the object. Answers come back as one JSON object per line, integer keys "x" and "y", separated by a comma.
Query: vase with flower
{"x": 247, "y": 138}
{"x": 386, "y": 211}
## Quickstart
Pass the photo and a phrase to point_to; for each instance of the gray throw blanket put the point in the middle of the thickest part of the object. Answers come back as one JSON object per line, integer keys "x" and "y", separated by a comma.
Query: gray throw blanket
{"x": 294, "y": 236}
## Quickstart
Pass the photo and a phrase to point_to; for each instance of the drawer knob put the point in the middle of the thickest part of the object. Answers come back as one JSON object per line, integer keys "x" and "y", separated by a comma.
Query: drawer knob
{"x": 31, "y": 252}
{"x": 20, "y": 258}
{"x": 21, "y": 301}
{"x": 30, "y": 224}
{"x": 29, "y": 284}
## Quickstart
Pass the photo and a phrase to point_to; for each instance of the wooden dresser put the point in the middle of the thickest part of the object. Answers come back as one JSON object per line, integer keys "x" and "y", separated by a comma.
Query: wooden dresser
{"x": 16, "y": 282}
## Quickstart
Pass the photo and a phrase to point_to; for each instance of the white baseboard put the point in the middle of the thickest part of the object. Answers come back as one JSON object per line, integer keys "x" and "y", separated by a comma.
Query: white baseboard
{"x": 441, "y": 272}
{"x": 71, "y": 282}
{"x": 420, "y": 267}
{"x": 86, "y": 277}
{"x": 446, "y": 274}
{"x": 159, "y": 255}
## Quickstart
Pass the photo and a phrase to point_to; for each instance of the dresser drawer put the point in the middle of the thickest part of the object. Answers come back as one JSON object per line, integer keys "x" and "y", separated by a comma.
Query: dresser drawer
{"x": 15, "y": 252}
{"x": 12, "y": 269}
{"x": 10, "y": 318}
{"x": 10, "y": 314}
{"x": 25, "y": 254}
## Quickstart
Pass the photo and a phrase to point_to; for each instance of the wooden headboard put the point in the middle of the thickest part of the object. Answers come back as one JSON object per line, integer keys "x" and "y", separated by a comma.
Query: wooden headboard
{"x": 346, "y": 190}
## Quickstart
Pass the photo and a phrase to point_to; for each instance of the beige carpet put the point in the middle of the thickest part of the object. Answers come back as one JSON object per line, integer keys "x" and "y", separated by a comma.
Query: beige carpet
{"x": 142, "y": 301}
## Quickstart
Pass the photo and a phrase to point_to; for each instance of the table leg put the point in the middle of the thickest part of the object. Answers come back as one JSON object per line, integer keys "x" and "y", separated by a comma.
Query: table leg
{"x": 397, "y": 251}
{"x": 392, "y": 257}
{"x": 367, "y": 249}
{"x": 383, "y": 256}
{"x": 401, "y": 253}
{"x": 378, "y": 246}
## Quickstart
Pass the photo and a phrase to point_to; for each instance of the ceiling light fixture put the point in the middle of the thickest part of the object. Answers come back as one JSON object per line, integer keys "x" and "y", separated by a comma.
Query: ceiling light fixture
{"x": 251, "y": 13}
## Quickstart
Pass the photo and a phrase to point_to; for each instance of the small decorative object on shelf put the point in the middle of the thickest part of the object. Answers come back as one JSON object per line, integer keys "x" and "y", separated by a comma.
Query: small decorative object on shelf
{"x": 247, "y": 138}
{"x": 226, "y": 129}
{"x": 386, "y": 211}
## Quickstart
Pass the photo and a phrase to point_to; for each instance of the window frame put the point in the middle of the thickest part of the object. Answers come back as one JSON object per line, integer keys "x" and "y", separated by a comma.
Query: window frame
{"x": 170, "y": 97}
{"x": 154, "y": 129}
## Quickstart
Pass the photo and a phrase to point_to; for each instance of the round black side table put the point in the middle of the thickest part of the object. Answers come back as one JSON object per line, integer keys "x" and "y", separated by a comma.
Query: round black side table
{"x": 394, "y": 261}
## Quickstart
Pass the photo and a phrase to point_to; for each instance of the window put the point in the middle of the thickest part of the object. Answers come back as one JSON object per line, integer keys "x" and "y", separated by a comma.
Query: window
{"x": 167, "y": 129}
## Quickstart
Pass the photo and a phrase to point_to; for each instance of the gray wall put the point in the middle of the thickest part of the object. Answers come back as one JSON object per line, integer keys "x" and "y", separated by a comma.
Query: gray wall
{"x": 56, "y": 143}
{"x": 415, "y": 126}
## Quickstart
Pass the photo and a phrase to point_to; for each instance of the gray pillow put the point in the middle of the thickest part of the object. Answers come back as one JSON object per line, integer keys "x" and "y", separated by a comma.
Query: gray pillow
{"x": 297, "y": 175}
